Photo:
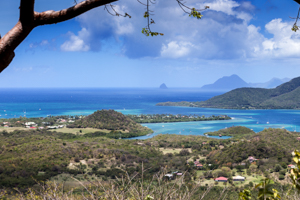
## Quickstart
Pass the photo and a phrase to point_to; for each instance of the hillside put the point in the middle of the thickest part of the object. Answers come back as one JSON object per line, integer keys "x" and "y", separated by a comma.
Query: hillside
{"x": 235, "y": 132}
{"x": 269, "y": 143}
{"x": 284, "y": 96}
{"x": 110, "y": 120}
{"x": 273, "y": 83}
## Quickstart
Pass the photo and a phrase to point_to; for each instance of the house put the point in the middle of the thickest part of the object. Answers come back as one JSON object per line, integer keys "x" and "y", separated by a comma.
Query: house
{"x": 6, "y": 126}
{"x": 291, "y": 166}
{"x": 199, "y": 166}
{"x": 169, "y": 176}
{"x": 298, "y": 138}
{"x": 221, "y": 179}
{"x": 5, "y": 123}
{"x": 29, "y": 124}
{"x": 71, "y": 121}
{"x": 238, "y": 178}
{"x": 179, "y": 174}
{"x": 196, "y": 163}
{"x": 251, "y": 159}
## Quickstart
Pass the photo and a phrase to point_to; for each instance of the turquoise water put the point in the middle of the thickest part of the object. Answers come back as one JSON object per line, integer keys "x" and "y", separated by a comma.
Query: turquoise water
{"x": 43, "y": 102}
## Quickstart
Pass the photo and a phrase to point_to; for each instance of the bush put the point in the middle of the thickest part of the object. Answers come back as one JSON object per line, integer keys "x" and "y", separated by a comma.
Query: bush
{"x": 281, "y": 177}
{"x": 184, "y": 152}
{"x": 277, "y": 168}
{"x": 282, "y": 172}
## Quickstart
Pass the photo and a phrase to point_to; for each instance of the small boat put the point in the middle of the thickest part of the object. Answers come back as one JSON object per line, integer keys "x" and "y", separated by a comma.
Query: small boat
{"x": 163, "y": 126}
{"x": 220, "y": 135}
{"x": 267, "y": 122}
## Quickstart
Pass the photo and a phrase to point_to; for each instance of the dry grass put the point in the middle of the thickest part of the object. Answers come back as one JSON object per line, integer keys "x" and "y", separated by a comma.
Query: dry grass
{"x": 173, "y": 150}
{"x": 83, "y": 130}
{"x": 11, "y": 129}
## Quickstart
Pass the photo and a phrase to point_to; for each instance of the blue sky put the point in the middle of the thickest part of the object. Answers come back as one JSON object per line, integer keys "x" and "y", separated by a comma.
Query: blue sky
{"x": 252, "y": 39}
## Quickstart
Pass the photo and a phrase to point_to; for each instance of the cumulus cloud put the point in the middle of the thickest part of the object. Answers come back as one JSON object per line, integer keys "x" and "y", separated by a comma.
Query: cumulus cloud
{"x": 176, "y": 49}
{"x": 76, "y": 43}
{"x": 224, "y": 32}
{"x": 284, "y": 43}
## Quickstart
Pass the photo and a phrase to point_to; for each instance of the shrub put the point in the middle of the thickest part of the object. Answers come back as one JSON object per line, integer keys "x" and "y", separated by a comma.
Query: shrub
{"x": 184, "y": 152}
{"x": 281, "y": 177}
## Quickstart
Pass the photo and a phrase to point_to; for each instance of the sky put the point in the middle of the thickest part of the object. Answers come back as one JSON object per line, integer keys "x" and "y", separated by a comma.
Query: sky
{"x": 252, "y": 39}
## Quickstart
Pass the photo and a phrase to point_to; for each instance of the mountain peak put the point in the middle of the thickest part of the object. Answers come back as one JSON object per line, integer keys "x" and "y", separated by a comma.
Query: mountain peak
{"x": 226, "y": 83}
{"x": 163, "y": 86}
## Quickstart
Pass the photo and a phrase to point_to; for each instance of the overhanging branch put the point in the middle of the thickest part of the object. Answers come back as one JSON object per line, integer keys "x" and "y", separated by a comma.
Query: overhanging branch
{"x": 298, "y": 1}
{"x": 53, "y": 17}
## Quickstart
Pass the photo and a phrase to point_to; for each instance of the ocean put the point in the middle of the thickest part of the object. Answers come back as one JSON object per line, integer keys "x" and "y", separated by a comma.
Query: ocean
{"x": 84, "y": 101}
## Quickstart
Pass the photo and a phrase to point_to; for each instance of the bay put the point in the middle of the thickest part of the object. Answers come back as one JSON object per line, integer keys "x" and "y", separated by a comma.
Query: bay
{"x": 34, "y": 102}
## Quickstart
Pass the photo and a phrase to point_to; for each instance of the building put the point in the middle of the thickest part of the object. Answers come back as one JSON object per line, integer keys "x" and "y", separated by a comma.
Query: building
{"x": 238, "y": 178}
{"x": 169, "y": 176}
{"x": 251, "y": 159}
{"x": 30, "y": 124}
{"x": 221, "y": 179}
{"x": 199, "y": 166}
{"x": 291, "y": 166}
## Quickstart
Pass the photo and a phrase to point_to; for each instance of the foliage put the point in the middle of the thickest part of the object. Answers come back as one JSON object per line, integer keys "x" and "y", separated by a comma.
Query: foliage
{"x": 235, "y": 132}
{"x": 159, "y": 118}
{"x": 111, "y": 120}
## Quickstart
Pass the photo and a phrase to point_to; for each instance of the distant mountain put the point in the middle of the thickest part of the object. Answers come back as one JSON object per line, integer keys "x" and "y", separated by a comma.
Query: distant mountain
{"x": 285, "y": 96}
{"x": 273, "y": 83}
{"x": 226, "y": 83}
{"x": 163, "y": 86}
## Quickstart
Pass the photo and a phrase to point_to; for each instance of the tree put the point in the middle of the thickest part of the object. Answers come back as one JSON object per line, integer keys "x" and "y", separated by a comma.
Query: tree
{"x": 30, "y": 19}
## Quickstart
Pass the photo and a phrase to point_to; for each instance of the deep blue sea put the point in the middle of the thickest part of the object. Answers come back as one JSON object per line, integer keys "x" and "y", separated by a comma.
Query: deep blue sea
{"x": 84, "y": 101}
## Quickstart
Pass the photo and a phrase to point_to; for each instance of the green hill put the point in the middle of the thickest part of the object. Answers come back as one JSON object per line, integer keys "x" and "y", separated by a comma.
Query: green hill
{"x": 284, "y": 96}
{"x": 111, "y": 120}
{"x": 276, "y": 144}
{"x": 235, "y": 131}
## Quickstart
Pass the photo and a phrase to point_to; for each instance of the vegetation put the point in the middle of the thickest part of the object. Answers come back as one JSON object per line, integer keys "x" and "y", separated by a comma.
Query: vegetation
{"x": 235, "y": 132}
{"x": 93, "y": 163}
{"x": 284, "y": 96}
{"x": 161, "y": 118}
{"x": 116, "y": 122}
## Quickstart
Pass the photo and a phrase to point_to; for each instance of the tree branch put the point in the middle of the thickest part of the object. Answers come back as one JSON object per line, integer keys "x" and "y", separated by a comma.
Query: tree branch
{"x": 298, "y": 1}
{"x": 53, "y": 17}
{"x": 27, "y": 12}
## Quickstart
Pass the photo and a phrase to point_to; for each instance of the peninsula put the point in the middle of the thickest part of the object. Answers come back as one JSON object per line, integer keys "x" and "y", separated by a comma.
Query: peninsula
{"x": 162, "y": 118}
{"x": 285, "y": 96}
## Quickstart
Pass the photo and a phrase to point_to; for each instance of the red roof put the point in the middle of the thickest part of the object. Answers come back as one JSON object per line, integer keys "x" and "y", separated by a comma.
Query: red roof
{"x": 32, "y": 127}
{"x": 199, "y": 165}
{"x": 221, "y": 179}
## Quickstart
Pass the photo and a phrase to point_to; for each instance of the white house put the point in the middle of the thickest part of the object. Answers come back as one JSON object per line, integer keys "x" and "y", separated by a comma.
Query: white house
{"x": 238, "y": 178}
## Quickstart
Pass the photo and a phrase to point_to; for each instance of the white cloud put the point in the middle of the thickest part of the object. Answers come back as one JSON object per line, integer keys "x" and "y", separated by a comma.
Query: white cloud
{"x": 76, "y": 43}
{"x": 224, "y": 32}
{"x": 176, "y": 49}
{"x": 284, "y": 43}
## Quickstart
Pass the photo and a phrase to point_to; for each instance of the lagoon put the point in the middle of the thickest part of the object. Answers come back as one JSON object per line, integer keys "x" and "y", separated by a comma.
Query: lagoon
{"x": 83, "y": 101}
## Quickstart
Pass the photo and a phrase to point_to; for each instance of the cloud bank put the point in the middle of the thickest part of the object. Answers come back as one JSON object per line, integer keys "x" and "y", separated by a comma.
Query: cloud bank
{"x": 224, "y": 32}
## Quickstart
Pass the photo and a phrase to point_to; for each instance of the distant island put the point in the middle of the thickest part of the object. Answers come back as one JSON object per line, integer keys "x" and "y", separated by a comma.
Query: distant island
{"x": 163, "y": 86}
{"x": 232, "y": 82}
{"x": 226, "y": 83}
{"x": 163, "y": 118}
{"x": 285, "y": 96}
